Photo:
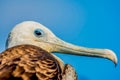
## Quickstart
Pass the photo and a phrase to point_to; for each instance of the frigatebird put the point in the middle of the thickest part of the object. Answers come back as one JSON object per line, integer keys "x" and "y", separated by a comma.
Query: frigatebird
{"x": 29, "y": 54}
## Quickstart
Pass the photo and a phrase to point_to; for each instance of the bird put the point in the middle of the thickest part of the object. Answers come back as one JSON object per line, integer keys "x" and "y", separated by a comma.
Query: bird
{"x": 29, "y": 54}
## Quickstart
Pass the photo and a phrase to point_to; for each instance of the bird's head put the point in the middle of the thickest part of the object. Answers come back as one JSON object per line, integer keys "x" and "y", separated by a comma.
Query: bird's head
{"x": 34, "y": 33}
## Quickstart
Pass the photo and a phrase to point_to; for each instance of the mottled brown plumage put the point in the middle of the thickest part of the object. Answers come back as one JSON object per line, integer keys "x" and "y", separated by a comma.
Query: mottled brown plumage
{"x": 28, "y": 62}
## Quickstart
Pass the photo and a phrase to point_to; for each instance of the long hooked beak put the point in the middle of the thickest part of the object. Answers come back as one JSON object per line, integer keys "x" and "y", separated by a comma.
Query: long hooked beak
{"x": 67, "y": 48}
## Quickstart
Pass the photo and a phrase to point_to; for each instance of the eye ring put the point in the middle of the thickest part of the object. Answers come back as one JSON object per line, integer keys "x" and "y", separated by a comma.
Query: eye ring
{"x": 38, "y": 33}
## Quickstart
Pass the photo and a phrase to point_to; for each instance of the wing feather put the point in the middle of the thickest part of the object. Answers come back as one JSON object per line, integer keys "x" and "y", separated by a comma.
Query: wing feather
{"x": 69, "y": 73}
{"x": 27, "y": 62}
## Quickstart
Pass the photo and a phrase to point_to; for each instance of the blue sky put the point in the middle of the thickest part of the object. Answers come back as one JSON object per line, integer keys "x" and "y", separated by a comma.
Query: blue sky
{"x": 89, "y": 23}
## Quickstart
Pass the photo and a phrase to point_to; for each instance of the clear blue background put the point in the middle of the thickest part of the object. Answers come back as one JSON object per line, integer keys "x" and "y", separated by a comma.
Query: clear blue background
{"x": 90, "y": 23}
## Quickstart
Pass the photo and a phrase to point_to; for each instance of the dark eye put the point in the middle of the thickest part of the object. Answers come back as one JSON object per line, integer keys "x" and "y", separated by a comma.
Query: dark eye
{"x": 38, "y": 32}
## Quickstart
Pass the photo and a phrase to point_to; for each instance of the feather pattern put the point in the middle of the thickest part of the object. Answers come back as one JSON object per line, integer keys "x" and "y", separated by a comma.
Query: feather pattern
{"x": 27, "y": 62}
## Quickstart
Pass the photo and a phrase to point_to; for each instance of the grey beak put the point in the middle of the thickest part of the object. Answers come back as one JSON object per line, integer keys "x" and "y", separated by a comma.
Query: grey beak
{"x": 67, "y": 48}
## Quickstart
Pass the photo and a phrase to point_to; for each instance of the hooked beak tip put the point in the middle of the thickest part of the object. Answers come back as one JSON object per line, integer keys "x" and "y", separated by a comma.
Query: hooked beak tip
{"x": 112, "y": 56}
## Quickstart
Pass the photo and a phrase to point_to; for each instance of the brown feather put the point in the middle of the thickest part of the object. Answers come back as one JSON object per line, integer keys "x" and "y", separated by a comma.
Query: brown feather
{"x": 27, "y": 62}
{"x": 69, "y": 73}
